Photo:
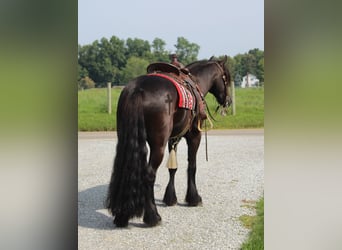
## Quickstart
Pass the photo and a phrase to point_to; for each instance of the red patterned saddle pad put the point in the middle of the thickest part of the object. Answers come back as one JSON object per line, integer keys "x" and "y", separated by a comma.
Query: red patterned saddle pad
{"x": 186, "y": 100}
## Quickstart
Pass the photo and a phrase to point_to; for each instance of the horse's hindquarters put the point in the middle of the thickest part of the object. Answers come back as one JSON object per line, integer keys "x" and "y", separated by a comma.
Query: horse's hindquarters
{"x": 181, "y": 122}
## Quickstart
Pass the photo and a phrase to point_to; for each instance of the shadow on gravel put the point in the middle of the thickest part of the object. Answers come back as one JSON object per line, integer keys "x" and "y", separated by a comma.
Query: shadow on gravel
{"x": 93, "y": 214}
{"x": 91, "y": 209}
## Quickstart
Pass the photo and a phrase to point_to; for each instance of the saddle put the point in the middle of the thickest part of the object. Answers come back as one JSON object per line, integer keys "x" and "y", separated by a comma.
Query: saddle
{"x": 163, "y": 67}
{"x": 183, "y": 77}
{"x": 166, "y": 68}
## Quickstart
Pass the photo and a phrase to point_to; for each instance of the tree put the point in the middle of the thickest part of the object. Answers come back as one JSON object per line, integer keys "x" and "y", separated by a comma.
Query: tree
{"x": 137, "y": 47}
{"x": 237, "y": 80}
{"x": 88, "y": 59}
{"x": 103, "y": 60}
{"x": 187, "y": 52}
{"x": 117, "y": 61}
{"x": 238, "y": 65}
{"x": 259, "y": 63}
{"x": 258, "y": 54}
{"x": 260, "y": 70}
{"x": 82, "y": 72}
{"x": 135, "y": 67}
{"x": 158, "y": 45}
{"x": 86, "y": 83}
{"x": 117, "y": 52}
{"x": 251, "y": 62}
{"x": 158, "y": 51}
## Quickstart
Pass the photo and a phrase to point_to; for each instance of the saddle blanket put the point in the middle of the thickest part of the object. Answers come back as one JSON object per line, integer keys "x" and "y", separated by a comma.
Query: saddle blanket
{"x": 186, "y": 100}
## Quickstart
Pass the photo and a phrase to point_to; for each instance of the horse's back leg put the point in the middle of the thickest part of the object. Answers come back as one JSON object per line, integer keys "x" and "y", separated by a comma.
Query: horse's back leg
{"x": 170, "y": 197}
{"x": 151, "y": 216}
{"x": 193, "y": 139}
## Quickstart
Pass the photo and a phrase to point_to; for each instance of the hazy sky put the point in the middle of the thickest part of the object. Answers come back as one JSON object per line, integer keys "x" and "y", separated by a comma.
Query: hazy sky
{"x": 217, "y": 26}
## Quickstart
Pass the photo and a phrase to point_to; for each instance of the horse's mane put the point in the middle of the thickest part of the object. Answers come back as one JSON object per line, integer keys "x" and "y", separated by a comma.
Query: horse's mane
{"x": 210, "y": 61}
{"x": 201, "y": 62}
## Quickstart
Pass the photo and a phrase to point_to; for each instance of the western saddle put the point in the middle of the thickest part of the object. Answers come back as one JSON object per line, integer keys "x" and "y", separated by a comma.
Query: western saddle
{"x": 183, "y": 77}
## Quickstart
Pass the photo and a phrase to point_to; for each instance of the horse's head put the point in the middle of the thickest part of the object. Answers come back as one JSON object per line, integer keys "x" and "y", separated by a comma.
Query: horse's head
{"x": 221, "y": 85}
{"x": 214, "y": 77}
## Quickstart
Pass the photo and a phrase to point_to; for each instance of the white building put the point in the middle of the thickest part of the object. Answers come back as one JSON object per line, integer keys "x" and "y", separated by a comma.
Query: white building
{"x": 249, "y": 80}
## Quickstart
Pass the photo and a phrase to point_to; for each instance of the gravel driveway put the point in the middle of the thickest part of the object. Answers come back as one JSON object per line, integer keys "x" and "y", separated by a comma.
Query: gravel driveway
{"x": 234, "y": 172}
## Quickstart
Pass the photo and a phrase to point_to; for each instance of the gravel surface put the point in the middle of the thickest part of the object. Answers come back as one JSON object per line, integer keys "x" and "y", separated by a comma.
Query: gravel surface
{"x": 234, "y": 173}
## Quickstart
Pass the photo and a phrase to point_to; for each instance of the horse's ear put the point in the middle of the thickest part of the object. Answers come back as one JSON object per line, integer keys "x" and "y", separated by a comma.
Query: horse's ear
{"x": 224, "y": 60}
{"x": 211, "y": 58}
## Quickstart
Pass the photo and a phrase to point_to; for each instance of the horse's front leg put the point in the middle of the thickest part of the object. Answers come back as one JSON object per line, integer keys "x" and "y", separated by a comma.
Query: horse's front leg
{"x": 193, "y": 139}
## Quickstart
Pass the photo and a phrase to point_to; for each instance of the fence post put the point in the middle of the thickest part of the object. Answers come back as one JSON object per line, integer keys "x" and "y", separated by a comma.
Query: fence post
{"x": 109, "y": 95}
{"x": 233, "y": 97}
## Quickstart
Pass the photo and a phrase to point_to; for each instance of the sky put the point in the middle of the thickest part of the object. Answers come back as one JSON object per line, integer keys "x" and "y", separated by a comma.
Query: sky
{"x": 219, "y": 27}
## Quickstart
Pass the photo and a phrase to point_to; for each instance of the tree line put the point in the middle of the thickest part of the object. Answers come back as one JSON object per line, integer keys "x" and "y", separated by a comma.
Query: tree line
{"x": 117, "y": 60}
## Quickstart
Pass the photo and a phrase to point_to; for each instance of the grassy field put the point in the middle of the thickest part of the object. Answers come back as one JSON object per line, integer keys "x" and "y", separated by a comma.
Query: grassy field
{"x": 93, "y": 116}
{"x": 255, "y": 240}
{"x": 92, "y": 110}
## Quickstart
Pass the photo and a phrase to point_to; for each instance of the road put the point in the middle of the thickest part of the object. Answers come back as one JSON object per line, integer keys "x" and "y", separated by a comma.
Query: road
{"x": 233, "y": 174}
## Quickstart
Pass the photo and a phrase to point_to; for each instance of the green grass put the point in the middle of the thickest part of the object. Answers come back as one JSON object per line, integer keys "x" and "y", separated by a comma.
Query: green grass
{"x": 92, "y": 110}
{"x": 249, "y": 110}
{"x": 93, "y": 116}
{"x": 255, "y": 240}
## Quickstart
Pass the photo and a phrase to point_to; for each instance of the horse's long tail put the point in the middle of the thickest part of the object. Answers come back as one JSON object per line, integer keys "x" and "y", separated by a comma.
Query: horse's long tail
{"x": 126, "y": 190}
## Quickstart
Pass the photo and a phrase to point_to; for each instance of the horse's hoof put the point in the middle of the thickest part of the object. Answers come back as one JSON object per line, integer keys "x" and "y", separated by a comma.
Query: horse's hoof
{"x": 194, "y": 201}
{"x": 170, "y": 198}
{"x": 170, "y": 202}
{"x": 120, "y": 221}
{"x": 152, "y": 220}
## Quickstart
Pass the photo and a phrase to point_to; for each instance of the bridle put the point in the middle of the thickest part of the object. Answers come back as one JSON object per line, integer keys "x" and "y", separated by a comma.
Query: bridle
{"x": 225, "y": 82}
{"x": 223, "y": 73}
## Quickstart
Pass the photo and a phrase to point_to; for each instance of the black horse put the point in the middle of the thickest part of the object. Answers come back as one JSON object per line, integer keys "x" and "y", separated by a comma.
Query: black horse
{"x": 148, "y": 112}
